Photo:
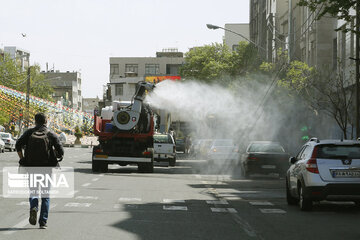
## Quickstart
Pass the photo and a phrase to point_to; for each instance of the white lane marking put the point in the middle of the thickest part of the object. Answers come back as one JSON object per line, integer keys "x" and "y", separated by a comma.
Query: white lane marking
{"x": 122, "y": 199}
{"x": 245, "y": 225}
{"x": 173, "y": 201}
{"x": 23, "y": 203}
{"x": 231, "y": 198}
{"x": 75, "y": 204}
{"x": 217, "y": 202}
{"x": 271, "y": 210}
{"x": 86, "y": 184}
{"x": 259, "y": 203}
{"x": 21, "y": 224}
{"x": 198, "y": 176}
{"x": 72, "y": 193}
{"x": 117, "y": 206}
{"x": 175, "y": 208}
{"x": 95, "y": 179}
{"x": 229, "y": 210}
{"x": 87, "y": 197}
{"x": 204, "y": 182}
{"x": 101, "y": 175}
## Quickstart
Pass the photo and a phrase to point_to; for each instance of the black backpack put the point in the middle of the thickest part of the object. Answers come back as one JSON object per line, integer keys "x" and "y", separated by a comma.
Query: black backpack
{"x": 38, "y": 149}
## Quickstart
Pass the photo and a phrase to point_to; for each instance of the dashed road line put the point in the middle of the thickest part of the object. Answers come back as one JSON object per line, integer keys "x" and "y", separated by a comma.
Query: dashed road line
{"x": 23, "y": 203}
{"x": 86, "y": 184}
{"x": 87, "y": 197}
{"x": 222, "y": 210}
{"x": 173, "y": 201}
{"x": 220, "y": 202}
{"x": 95, "y": 179}
{"x": 175, "y": 208}
{"x": 261, "y": 203}
{"x": 271, "y": 210}
{"x": 76, "y": 204}
{"x": 124, "y": 199}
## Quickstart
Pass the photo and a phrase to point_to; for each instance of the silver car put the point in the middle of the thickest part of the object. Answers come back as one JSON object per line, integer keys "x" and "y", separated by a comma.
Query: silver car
{"x": 9, "y": 141}
{"x": 324, "y": 170}
{"x": 2, "y": 145}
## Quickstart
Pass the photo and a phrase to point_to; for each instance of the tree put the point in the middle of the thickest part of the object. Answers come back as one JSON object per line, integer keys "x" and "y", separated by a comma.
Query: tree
{"x": 336, "y": 8}
{"x": 212, "y": 62}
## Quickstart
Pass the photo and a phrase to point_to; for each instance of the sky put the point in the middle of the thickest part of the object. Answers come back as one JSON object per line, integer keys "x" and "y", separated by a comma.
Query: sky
{"x": 81, "y": 35}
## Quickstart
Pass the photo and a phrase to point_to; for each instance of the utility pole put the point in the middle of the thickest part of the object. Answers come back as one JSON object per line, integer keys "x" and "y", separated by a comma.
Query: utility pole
{"x": 27, "y": 112}
{"x": 357, "y": 63}
{"x": 290, "y": 33}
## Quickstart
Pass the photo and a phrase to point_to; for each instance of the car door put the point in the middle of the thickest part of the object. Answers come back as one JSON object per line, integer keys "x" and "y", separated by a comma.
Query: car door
{"x": 294, "y": 170}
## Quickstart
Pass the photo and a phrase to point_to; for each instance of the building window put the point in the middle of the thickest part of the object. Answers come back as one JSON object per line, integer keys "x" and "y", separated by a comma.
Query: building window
{"x": 114, "y": 69}
{"x": 119, "y": 89}
{"x": 133, "y": 68}
{"x": 152, "y": 68}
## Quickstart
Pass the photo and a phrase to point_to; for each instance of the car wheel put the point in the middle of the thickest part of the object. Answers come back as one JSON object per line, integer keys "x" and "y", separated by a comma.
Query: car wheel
{"x": 305, "y": 203}
{"x": 290, "y": 199}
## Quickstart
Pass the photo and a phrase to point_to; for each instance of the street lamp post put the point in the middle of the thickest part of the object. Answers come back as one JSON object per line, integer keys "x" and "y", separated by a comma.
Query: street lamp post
{"x": 214, "y": 27}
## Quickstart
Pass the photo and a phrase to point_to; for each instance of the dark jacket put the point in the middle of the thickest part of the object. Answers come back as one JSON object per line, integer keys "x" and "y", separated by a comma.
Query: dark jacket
{"x": 54, "y": 142}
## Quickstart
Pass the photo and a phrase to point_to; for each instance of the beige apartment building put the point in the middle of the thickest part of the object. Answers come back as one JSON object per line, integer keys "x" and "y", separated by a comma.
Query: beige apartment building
{"x": 275, "y": 25}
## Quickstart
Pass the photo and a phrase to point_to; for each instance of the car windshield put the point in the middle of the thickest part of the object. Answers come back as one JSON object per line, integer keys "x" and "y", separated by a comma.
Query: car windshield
{"x": 162, "y": 139}
{"x": 266, "y": 147}
{"x": 223, "y": 143}
{"x": 4, "y": 135}
{"x": 338, "y": 151}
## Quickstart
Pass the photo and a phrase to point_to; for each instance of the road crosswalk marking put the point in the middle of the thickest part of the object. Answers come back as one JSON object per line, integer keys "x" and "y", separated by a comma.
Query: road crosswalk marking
{"x": 23, "y": 203}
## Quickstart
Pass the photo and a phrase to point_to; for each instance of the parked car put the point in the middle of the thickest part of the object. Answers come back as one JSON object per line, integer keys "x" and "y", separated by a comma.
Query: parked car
{"x": 264, "y": 157}
{"x": 2, "y": 145}
{"x": 324, "y": 170}
{"x": 180, "y": 145}
{"x": 223, "y": 149}
{"x": 164, "y": 148}
{"x": 9, "y": 141}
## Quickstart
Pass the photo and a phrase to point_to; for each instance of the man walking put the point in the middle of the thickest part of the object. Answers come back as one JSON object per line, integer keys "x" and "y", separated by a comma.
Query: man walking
{"x": 39, "y": 142}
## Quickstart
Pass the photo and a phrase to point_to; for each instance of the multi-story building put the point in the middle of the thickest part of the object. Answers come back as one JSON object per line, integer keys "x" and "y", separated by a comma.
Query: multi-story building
{"x": 67, "y": 87}
{"x": 126, "y": 72}
{"x": 21, "y": 56}
{"x": 306, "y": 38}
{"x": 232, "y": 40}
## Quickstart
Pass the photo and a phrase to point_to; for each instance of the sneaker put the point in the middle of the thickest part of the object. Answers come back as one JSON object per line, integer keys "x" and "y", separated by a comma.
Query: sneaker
{"x": 33, "y": 216}
{"x": 43, "y": 226}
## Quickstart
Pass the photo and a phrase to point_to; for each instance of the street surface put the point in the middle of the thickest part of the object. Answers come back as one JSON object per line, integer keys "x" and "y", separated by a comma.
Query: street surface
{"x": 189, "y": 201}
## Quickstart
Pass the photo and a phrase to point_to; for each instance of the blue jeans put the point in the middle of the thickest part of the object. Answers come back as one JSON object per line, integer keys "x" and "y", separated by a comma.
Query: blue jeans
{"x": 44, "y": 211}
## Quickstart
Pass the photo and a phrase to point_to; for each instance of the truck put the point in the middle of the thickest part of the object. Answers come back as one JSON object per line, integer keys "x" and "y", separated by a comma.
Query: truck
{"x": 125, "y": 133}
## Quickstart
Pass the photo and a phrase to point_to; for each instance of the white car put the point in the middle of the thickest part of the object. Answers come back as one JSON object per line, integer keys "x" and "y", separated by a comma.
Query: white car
{"x": 2, "y": 145}
{"x": 165, "y": 148}
{"x": 324, "y": 170}
{"x": 9, "y": 141}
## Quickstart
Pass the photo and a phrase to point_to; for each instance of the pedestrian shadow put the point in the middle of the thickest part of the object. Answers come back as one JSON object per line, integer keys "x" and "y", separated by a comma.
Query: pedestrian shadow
{"x": 15, "y": 229}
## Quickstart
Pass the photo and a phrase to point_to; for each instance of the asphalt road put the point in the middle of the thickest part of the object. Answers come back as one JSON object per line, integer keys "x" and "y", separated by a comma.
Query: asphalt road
{"x": 189, "y": 201}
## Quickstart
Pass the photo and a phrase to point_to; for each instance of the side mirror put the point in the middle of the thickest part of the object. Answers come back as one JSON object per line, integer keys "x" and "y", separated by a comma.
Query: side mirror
{"x": 292, "y": 160}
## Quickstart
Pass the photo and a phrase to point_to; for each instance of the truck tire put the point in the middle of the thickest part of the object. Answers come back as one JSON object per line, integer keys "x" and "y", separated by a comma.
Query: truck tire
{"x": 104, "y": 167}
{"x": 95, "y": 165}
{"x": 172, "y": 162}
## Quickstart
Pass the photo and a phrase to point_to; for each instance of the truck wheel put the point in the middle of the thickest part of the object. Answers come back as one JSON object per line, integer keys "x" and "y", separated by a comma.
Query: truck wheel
{"x": 304, "y": 202}
{"x": 104, "y": 167}
{"x": 172, "y": 162}
{"x": 95, "y": 166}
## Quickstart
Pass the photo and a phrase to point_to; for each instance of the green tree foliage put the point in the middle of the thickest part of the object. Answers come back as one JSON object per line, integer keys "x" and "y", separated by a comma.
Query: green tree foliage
{"x": 336, "y": 8}
{"x": 12, "y": 76}
{"x": 212, "y": 62}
